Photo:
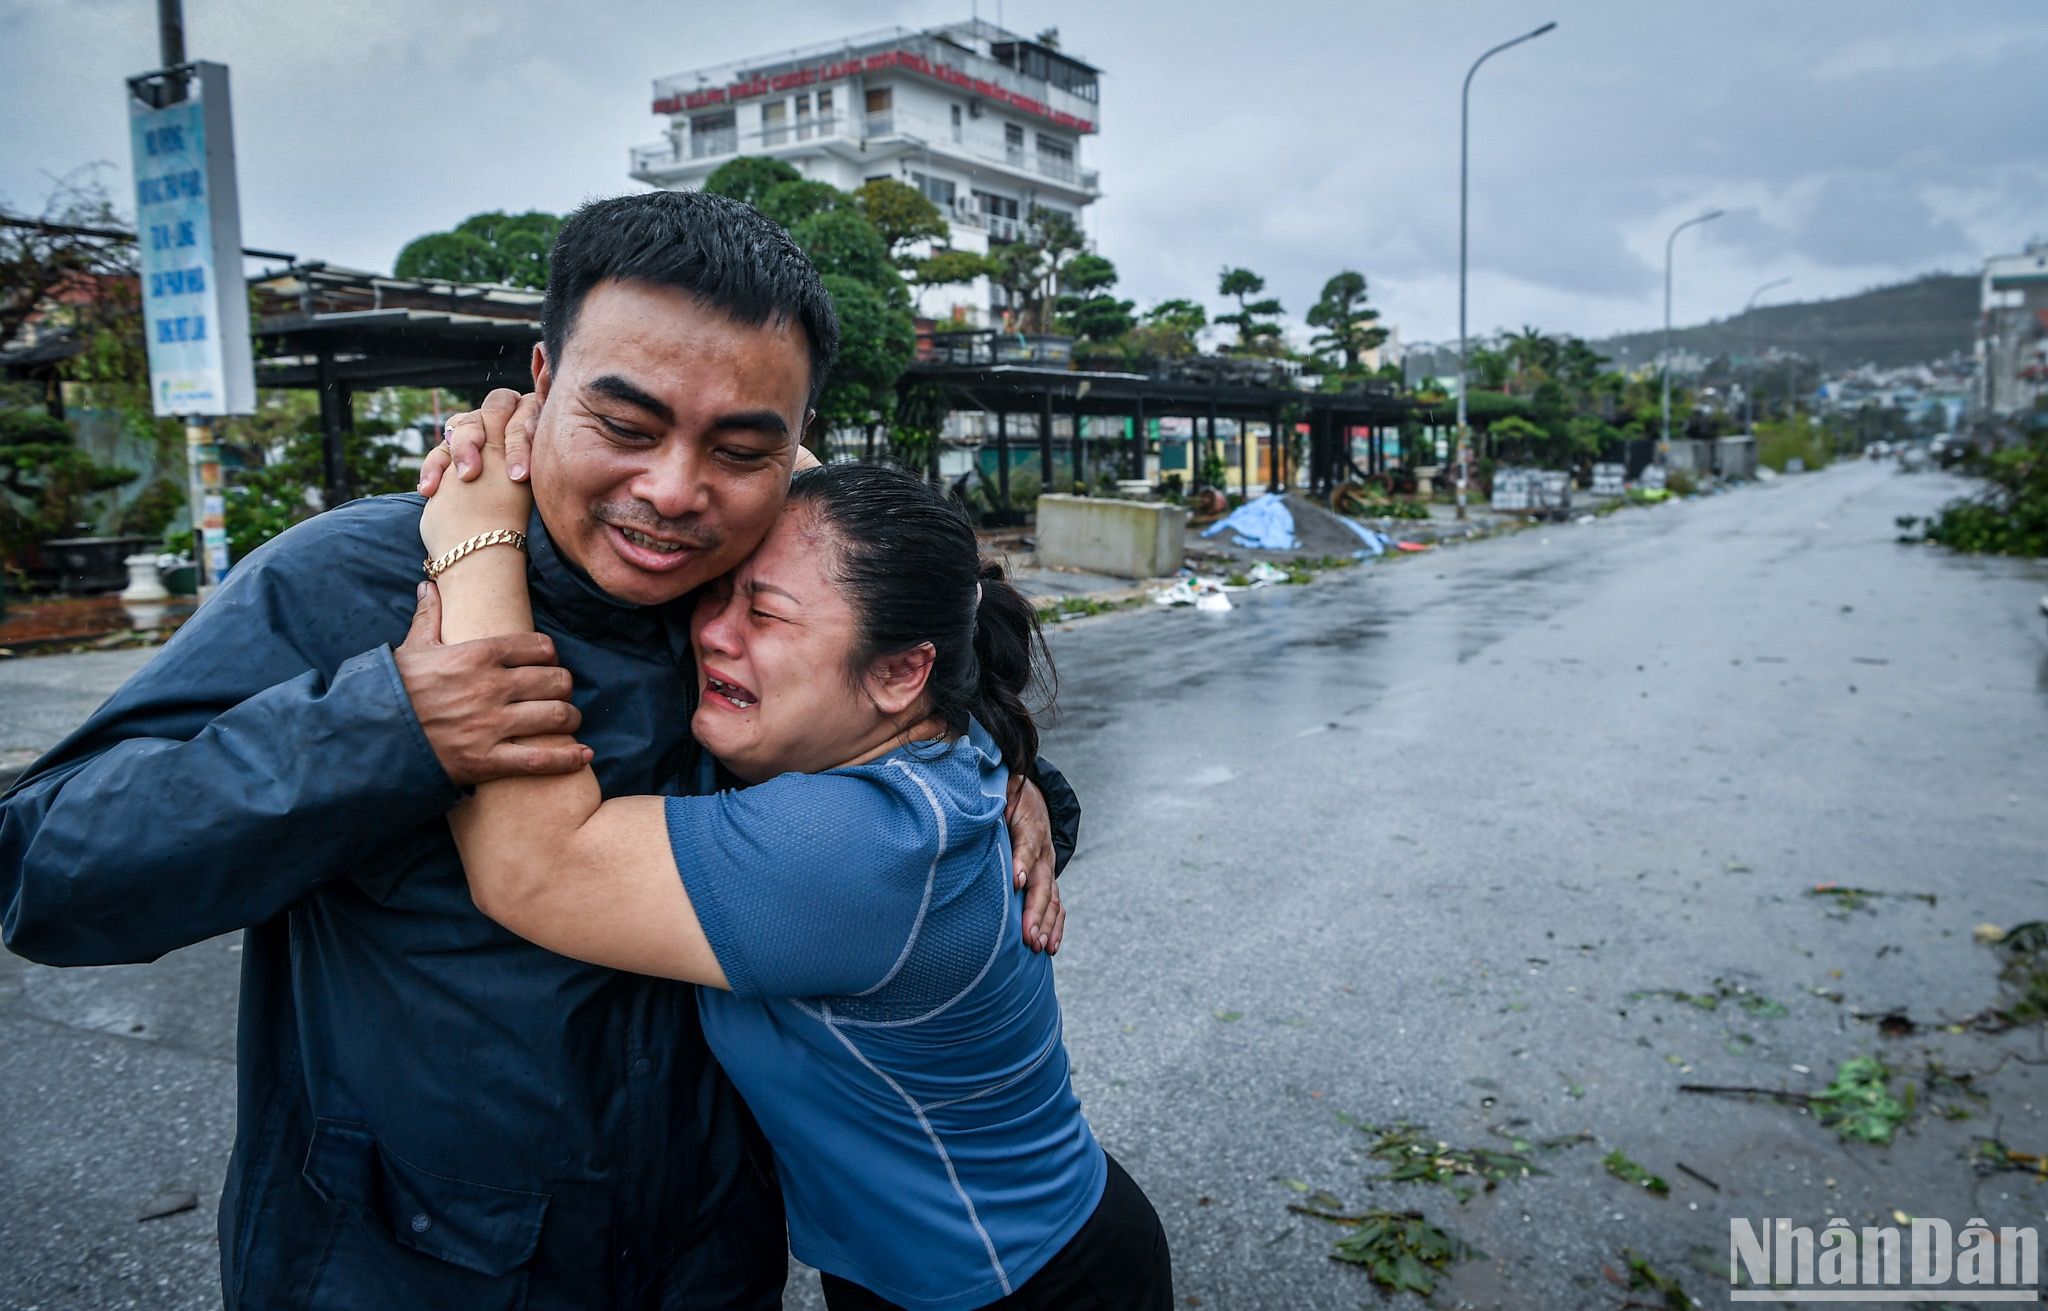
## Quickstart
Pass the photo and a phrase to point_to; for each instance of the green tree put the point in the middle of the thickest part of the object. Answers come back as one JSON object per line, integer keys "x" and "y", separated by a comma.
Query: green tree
{"x": 267, "y": 498}
{"x": 1349, "y": 326}
{"x": 1060, "y": 237}
{"x": 1580, "y": 366}
{"x": 877, "y": 343}
{"x": 947, "y": 268}
{"x": 1517, "y": 440}
{"x": 1167, "y": 330}
{"x": 508, "y": 249}
{"x": 1257, "y": 334}
{"x": 1486, "y": 370}
{"x": 903, "y": 215}
{"x": 749, "y": 178}
{"x": 45, "y": 480}
{"x": 1018, "y": 267}
{"x": 841, "y": 241}
{"x": 790, "y": 203}
{"x": 1533, "y": 355}
{"x": 1587, "y": 435}
{"x": 1086, "y": 307}
{"x": 916, "y": 423}
{"x": 1028, "y": 268}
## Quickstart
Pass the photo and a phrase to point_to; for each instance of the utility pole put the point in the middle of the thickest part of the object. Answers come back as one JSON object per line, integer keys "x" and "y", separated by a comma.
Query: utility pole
{"x": 202, "y": 456}
{"x": 1462, "y": 453}
{"x": 170, "y": 31}
{"x": 189, "y": 247}
{"x": 1664, "y": 449}
{"x": 1749, "y": 389}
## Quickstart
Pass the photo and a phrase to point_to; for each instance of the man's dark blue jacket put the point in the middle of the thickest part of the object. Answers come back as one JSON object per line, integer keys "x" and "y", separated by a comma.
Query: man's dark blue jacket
{"x": 432, "y": 1112}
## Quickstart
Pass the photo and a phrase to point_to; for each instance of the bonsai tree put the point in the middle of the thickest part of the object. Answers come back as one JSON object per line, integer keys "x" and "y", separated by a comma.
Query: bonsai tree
{"x": 1167, "y": 330}
{"x": 1349, "y": 327}
{"x": 1086, "y": 307}
{"x": 45, "y": 480}
{"x": 1257, "y": 333}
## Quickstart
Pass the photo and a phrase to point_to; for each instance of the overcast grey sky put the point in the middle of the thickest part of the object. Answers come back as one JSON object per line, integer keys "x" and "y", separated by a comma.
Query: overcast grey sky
{"x": 1852, "y": 142}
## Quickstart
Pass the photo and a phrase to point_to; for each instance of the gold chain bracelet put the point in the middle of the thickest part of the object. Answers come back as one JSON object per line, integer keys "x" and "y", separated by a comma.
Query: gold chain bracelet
{"x": 496, "y": 537}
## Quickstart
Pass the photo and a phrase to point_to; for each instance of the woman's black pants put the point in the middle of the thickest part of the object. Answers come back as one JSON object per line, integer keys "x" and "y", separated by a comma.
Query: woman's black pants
{"x": 1117, "y": 1261}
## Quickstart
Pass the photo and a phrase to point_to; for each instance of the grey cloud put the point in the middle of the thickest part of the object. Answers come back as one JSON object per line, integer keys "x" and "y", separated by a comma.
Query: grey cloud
{"x": 1298, "y": 138}
{"x": 1855, "y": 220}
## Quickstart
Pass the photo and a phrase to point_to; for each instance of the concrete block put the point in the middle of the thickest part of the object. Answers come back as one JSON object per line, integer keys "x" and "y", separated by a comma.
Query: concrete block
{"x": 1125, "y": 539}
{"x": 1691, "y": 456}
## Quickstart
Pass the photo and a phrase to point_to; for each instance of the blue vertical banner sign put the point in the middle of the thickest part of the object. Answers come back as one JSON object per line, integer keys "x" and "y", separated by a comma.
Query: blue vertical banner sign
{"x": 189, "y": 229}
{"x": 195, "y": 304}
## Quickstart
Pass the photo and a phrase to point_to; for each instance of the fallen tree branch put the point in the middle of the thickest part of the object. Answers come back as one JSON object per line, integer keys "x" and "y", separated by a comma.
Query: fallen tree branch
{"x": 1729, "y": 1090}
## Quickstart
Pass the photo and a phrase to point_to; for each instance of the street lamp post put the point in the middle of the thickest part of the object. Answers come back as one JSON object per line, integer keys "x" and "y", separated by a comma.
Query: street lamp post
{"x": 1664, "y": 449}
{"x": 1463, "y": 454}
{"x": 1749, "y": 388}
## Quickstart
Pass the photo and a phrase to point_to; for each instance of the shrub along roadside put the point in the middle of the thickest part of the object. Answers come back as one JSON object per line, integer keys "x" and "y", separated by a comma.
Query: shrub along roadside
{"x": 2009, "y": 516}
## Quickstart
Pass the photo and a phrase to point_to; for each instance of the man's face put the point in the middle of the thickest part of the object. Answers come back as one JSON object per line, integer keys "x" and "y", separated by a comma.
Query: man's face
{"x": 666, "y": 438}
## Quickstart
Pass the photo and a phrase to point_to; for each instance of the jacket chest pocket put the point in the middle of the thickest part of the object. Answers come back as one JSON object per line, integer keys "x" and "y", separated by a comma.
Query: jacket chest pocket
{"x": 407, "y": 1237}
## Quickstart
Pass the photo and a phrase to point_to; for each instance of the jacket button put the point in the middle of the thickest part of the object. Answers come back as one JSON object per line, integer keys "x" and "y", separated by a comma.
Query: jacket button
{"x": 420, "y": 1223}
{"x": 642, "y": 1066}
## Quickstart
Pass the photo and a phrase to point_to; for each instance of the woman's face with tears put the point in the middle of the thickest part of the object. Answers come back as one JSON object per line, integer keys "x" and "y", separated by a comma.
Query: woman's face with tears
{"x": 774, "y": 641}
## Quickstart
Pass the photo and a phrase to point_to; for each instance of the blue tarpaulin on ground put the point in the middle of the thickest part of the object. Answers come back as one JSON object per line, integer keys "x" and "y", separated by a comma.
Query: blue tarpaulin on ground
{"x": 1265, "y": 524}
{"x": 1375, "y": 541}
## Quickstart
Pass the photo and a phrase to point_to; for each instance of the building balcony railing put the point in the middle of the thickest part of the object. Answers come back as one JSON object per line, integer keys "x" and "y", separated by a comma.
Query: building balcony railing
{"x": 665, "y": 155}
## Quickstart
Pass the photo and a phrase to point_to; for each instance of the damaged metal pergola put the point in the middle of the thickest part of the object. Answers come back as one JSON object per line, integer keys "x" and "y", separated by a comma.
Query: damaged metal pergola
{"x": 340, "y": 331}
{"x": 1035, "y": 392}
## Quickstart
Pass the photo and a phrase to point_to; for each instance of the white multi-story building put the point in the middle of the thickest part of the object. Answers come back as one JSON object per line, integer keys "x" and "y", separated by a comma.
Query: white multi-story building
{"x": 2011, "y": 370}
{"x": 986, "y": 123}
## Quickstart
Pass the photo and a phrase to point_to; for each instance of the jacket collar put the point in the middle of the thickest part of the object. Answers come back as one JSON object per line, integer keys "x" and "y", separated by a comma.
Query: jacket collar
{"x": 567, "y": 596}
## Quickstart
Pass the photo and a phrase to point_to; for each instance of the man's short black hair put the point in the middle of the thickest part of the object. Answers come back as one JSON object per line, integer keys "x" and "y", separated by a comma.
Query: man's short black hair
{"x": 722, "y": 251}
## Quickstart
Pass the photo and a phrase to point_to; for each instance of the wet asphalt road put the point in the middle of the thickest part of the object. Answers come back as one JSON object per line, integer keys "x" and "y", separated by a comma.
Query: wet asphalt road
{"x": 1399, "y": 845}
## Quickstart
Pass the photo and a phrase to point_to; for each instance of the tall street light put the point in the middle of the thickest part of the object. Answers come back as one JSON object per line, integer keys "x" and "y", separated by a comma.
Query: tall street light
{"x": 1749, "y": 388}
{"x": 1464, "y": 151}
{"x": 1664, "y": 450}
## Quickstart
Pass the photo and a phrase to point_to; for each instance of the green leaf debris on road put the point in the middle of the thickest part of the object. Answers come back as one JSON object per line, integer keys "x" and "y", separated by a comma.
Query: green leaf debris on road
{"x": 1622, "y": 1168}
{"x": 1400, "y": 1250}
{"x": 1735, "y": 994}
{"x": 1859, "y": 1104}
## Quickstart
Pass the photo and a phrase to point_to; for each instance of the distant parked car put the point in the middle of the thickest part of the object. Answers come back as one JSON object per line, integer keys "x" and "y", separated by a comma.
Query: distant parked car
{"x": 1878, "y": 450}
{"x": 1913, "y": 459}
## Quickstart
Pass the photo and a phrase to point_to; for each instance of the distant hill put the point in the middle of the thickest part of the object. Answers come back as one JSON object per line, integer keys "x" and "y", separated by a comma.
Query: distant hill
{"x": 1910, "y": 323}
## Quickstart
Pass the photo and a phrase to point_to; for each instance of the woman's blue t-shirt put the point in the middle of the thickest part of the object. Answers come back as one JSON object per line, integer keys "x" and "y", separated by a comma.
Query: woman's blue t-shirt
{"x": 899, "y": 1044}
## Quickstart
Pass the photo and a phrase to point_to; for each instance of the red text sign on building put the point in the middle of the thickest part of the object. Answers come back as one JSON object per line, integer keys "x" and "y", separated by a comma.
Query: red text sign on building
{"x": 875, "y": 63}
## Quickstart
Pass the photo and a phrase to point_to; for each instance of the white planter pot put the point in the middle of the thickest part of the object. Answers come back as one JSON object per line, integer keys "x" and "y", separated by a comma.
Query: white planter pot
{"x": 143, "y": 584}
